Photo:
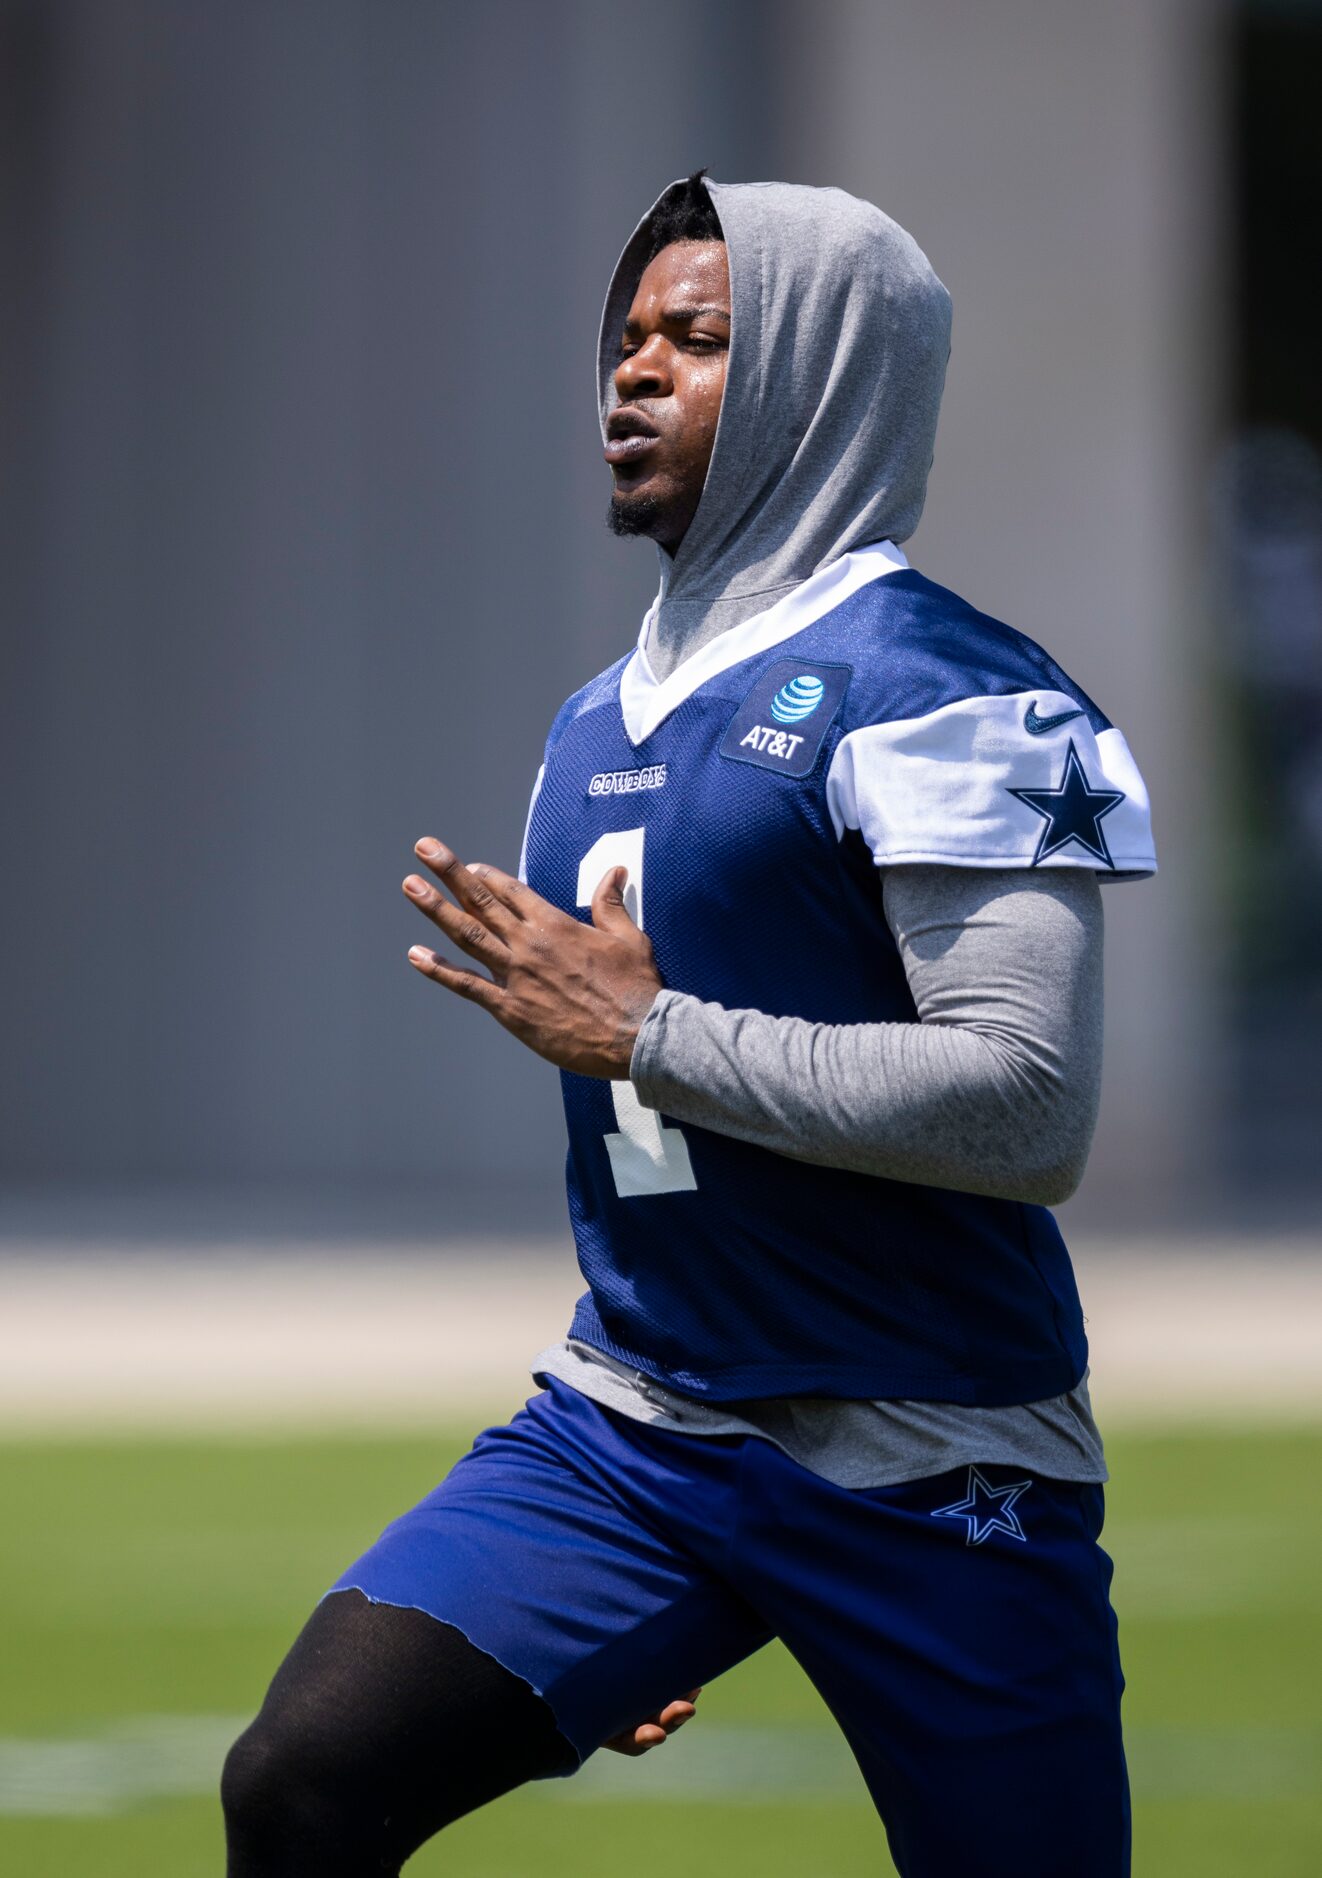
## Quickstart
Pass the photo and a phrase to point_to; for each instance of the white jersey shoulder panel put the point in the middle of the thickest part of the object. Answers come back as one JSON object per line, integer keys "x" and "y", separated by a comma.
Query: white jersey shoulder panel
{"x": 970, "y": 785}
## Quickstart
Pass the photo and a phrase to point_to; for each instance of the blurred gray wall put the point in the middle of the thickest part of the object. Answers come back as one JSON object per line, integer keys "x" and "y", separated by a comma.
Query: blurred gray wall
{"x": 1063, "y": 167}
{"x": 303, "y": 520}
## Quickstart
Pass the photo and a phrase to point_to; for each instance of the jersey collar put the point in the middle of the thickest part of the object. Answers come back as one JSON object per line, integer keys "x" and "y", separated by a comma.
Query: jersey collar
{"x": 646, "y": 700}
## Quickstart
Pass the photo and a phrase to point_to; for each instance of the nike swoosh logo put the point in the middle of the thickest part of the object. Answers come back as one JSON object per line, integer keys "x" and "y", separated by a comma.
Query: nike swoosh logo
{"x": 1035, "y": 725}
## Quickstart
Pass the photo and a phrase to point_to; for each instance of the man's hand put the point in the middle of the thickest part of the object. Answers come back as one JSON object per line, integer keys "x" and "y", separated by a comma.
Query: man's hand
{"x": 652, "y": 1732}
{"x": 575, "y": 994}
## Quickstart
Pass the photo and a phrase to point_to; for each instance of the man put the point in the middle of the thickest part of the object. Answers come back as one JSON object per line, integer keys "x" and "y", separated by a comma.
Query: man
{"x": 809, "y": 920}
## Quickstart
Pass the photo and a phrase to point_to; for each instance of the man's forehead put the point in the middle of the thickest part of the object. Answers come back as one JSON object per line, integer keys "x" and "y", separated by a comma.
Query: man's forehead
{"x": 689, "y": 273}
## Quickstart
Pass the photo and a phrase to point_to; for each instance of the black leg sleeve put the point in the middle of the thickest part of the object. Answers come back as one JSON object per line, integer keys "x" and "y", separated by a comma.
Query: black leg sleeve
{"x": 382, "y": 1726}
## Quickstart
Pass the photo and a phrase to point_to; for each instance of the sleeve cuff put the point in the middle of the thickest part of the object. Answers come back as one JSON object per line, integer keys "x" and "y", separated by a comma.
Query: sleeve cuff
{"x": 647, "y": 1064}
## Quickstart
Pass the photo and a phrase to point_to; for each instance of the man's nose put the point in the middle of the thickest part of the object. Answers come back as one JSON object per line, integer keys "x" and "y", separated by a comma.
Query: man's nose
{"x": 645, "y": 373}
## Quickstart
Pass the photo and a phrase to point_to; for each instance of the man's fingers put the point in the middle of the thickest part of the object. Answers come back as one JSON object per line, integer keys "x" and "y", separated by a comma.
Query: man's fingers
{"x": 508, "y": 888}
{"x": 457, "y": 923}
{"x": 610, "y": 908}
{"x": 657, "y": 1728}
{"x": 469, "y": 889}
{"x": 485, "y": 891}
{"x": 468, "y": 985}
{"x": 635, "y": 1741}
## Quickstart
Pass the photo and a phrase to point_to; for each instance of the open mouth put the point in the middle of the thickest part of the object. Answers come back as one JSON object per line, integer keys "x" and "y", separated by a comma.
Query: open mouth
{"x": 628, "y": 436}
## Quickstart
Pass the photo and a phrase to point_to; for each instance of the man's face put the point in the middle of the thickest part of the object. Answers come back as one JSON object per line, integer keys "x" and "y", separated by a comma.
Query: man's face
{"x": 669, "y": 381}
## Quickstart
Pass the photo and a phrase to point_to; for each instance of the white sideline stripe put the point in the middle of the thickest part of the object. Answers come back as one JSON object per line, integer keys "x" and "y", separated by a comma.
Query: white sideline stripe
{"x": 143, "y": 1758}
{"x": 153, "y": 1757}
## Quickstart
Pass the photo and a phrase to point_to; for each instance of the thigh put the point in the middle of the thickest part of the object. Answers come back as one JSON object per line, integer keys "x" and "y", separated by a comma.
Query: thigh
{"x": 535, "y": 1552}
{"x": 960, "y": 1629}
{"x": 380, "y": 1727}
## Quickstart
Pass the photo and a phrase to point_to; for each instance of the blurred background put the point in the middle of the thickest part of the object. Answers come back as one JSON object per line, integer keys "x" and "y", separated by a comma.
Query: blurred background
{"x": 303, "y": 545}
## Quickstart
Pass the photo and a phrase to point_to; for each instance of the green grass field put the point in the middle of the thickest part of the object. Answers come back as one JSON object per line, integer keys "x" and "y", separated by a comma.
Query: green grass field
{"x": 149, "y": 1589}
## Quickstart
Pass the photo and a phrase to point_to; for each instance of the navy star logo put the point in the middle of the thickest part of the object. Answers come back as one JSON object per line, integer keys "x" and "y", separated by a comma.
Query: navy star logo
{"x": 1072, "y": 812}
{"x": 987, "y": 1509}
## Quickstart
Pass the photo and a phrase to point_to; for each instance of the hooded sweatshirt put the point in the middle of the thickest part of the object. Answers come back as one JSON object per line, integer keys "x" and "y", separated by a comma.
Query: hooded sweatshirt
{"x": 839, "y": 338}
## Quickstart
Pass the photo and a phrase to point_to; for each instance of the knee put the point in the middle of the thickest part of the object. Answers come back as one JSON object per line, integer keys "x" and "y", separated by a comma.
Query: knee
{"x": 249, "y": 1775}
{"x": 271, "y": 1788}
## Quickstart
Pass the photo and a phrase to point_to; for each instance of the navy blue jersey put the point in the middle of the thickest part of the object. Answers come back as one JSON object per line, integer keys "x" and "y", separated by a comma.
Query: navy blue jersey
{"x": 869, "y": 719}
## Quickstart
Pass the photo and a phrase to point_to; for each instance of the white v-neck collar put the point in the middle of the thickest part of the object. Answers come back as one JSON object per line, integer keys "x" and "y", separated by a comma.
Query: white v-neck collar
{"x": 646, "y": 700}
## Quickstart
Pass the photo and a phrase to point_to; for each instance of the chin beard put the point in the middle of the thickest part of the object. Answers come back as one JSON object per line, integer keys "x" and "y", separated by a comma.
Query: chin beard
{"x": 635, "y": 515}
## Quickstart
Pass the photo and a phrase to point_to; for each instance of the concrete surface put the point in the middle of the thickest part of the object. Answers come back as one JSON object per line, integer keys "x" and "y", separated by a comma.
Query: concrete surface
{"x": 402, "y": 1335}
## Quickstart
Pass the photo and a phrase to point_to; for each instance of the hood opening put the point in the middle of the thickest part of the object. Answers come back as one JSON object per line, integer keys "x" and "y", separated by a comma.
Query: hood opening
{"x": 840, "y": 336}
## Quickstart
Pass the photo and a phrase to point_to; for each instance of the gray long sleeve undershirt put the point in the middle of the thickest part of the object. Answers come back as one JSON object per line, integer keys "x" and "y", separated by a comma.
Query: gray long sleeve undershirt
{"x": 994, "y": 1090}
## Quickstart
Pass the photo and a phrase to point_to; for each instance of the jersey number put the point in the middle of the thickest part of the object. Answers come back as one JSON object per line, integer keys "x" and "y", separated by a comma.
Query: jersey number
{"x": 644, "y": 1156}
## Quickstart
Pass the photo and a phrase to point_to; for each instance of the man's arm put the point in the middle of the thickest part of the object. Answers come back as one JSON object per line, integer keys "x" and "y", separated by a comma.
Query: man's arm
{"x": 993, "y": 1091}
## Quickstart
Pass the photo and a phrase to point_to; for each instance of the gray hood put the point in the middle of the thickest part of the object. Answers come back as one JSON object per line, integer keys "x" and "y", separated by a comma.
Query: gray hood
{"x": 840, "y": 333}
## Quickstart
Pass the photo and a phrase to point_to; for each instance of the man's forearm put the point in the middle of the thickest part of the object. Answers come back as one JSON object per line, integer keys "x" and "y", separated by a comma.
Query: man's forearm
{"x": 993, "y": 1091}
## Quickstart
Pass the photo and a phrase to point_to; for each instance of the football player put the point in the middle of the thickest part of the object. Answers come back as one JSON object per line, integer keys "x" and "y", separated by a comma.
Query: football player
{"x": 809, "y": 919}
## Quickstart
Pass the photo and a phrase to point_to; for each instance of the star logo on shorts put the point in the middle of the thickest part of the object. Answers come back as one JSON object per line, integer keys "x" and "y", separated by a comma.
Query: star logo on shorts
{"x": 987, "y": 1509}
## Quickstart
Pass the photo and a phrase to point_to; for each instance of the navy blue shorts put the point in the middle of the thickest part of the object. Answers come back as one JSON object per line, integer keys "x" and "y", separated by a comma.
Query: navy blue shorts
{"x": 959, "y": 1628}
